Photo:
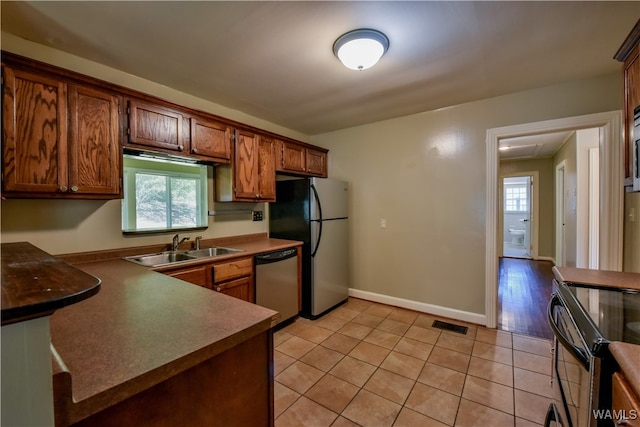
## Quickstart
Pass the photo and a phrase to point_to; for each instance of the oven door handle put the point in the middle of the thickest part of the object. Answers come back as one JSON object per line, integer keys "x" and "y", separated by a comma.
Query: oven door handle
{"x": 575, "y": 351}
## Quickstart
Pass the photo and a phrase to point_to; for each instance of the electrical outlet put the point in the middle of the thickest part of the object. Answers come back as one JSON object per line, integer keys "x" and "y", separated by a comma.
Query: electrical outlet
{"x": 257, "y": 216}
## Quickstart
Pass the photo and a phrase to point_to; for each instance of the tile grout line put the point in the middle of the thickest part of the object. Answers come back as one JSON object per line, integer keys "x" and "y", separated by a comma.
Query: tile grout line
{"x": 379, "y": 367}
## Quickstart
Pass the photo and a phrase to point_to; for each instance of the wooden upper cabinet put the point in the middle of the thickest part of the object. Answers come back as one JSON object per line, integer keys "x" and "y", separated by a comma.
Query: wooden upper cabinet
{"x": 292, "y": 158}
{"x": 155, "y": 126}
{"x": 266, "y": 169}
{"x": 34, "y": 133}
{"x": 95, "y": 159}
{"x": 629, "y": 55}
{"x": 246, "y": 166}
{"x": 298, "y": 159}
{"x": 59, "y": 139}
{"x": 252, "y": 175}
{"x": 316, "y": 162}
{"x": 211, "y": 139}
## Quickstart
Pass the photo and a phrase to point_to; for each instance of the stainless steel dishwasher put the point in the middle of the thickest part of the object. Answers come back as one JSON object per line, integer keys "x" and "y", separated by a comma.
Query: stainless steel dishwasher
{"x": 277, "y": 282}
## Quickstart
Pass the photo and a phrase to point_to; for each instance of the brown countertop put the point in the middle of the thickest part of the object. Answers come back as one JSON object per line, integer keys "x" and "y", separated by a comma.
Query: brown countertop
{"x": 598, "y": 278}
{"x": 35, "y": 284}
{"x": 628, "y": 357}
{"x": 143, "y": 328}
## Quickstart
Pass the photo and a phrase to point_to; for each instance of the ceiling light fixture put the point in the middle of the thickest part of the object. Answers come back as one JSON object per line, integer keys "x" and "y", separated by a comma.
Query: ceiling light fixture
{"x": 361, "y": 49}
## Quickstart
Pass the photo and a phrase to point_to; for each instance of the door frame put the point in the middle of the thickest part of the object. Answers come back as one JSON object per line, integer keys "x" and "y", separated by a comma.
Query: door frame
{"x": 611, "y": 183}
{"x": 560, "y": 184}
{"x": 534, "y": 213}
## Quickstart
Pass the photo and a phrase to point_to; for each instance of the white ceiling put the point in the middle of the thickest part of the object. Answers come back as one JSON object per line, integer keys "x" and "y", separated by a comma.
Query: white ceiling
{"x": 273, "y": 60}
{"x": 533, "y": 146}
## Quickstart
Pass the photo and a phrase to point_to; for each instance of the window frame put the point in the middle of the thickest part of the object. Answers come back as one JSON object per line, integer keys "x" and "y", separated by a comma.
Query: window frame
{"x": 518, "y": 186}
{"x": 128, "y": 211}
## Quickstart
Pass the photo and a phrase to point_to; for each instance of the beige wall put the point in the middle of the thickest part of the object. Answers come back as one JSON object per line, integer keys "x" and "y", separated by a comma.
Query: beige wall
{"x": 425, "y": 174}
{"x": 546, "y": 221}
{"x": 68, "y": 226}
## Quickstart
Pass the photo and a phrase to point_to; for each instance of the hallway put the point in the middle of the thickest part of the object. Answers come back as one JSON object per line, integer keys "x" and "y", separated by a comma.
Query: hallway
{"x": 524, "y": 291}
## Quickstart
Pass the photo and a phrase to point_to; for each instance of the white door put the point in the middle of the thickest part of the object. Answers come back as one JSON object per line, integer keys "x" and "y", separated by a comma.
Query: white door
{"x": 517, "y": 216}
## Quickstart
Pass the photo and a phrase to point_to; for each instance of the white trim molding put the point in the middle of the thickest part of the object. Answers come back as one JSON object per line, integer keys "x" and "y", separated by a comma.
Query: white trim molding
{"x": 422, "y": 307}
{"x": 611, "y": 192}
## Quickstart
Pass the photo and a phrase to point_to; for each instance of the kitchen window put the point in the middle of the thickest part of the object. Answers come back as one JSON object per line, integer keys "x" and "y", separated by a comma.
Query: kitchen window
{"x": 163, "y": 195}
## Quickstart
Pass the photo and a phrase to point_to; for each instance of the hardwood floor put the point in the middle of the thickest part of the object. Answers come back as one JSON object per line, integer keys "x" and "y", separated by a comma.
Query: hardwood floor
{"x": 524, "y": 291}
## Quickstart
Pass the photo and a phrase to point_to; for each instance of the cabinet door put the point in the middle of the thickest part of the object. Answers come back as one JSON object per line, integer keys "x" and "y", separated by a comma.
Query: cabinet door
{"x": 624, "y": 403}
{"x": 239, "y": 288}
{"x": 316, "y": 162}
{"x": 211, "y": 139}
{"x": 293, "y": 158}
{"x": 631, "y": 101}
{"x": 94, "y": 150}
{"x": 155, "y": 126}
{"x": 266, "y": 169}
{"x": 246, "y": 166}
{"x": 34, "y": 133}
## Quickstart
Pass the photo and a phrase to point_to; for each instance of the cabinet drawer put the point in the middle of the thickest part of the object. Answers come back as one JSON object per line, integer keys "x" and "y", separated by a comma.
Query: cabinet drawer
{"x": 624, "y": 402}
{"x": 195, "y": 275}
{"x": 232, "y": 270}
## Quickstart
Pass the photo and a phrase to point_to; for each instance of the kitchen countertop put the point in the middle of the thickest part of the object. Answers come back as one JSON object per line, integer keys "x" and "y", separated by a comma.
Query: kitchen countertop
{"x": 598, "y": 278}
{"x": 628, "y": 357}
{"x": 143, "y": 328}
{"x": 35, "y": 284}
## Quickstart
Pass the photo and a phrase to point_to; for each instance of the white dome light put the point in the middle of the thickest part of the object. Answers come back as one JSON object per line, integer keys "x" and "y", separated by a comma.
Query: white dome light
{"x": 360, "y": 49}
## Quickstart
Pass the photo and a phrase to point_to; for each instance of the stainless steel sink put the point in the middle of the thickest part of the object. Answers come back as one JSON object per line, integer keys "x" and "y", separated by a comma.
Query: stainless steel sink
{"x": 163, "y": 258}
{"x": 215, "y": 251}
{"x": 173, "y": 257}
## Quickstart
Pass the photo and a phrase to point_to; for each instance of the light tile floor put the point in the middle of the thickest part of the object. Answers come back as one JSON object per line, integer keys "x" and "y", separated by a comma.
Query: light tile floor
{"x": 373, "y": 365}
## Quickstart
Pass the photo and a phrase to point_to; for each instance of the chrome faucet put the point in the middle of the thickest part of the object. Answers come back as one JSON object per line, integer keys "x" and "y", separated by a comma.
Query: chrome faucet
{"x": 198, "y": 242}
{"x": 176, "y": 242}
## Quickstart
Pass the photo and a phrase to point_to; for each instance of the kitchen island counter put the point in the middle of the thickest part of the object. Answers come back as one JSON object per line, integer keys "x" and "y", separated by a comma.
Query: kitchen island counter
{"x": 141, "y": 334}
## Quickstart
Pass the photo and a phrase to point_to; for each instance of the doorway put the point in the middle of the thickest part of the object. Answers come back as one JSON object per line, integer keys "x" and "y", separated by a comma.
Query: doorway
{"x": 517, "y": 216}
{"x": 611, "y": 200}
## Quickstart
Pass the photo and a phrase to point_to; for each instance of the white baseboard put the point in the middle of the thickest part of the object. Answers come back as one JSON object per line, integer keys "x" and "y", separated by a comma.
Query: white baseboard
{"x": 547, "y": 258}
{"x": 422, "y": 307}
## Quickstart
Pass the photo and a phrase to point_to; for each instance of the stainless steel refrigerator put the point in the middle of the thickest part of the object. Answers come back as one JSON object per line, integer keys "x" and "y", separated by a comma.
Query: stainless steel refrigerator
{"x": 316, "y": 212}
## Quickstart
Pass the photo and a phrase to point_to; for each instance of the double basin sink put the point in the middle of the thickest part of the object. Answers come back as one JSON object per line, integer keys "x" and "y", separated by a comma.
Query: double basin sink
{"x": 172, "y": 257}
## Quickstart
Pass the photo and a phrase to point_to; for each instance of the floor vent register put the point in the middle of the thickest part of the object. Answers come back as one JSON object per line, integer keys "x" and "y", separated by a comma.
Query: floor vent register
{"x": 450, "y": 327}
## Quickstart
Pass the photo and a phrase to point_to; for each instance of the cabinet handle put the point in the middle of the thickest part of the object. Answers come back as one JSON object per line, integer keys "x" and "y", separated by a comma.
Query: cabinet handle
{"x": 181, "y": 147}
{"x": 194, "y": 150}
{"x": 64, "y": 189}
{"x": 74, "y": 188}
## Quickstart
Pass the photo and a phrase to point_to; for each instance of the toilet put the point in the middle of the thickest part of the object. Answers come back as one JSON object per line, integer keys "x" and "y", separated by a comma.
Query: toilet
{"x": 517, "y": 236}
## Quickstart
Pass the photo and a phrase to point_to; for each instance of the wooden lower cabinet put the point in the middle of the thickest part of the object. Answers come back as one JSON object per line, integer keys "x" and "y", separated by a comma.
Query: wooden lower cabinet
{"x": 625, "y": 404}
{"x": 233, "y": 388}
{"x": 234, "y": 278}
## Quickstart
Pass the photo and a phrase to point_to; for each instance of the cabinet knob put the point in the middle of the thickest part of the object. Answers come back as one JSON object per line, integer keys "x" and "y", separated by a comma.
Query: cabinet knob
{"x": 74, "y": 188}
{"x": 181, "y": 147}
{"x": 64, "y": 188}
{"x": 194, "y": 150}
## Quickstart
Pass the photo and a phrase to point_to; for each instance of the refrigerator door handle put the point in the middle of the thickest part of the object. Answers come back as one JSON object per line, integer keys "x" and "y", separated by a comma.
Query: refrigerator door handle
{"x": 315, "y": 195}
